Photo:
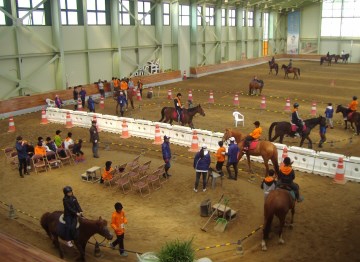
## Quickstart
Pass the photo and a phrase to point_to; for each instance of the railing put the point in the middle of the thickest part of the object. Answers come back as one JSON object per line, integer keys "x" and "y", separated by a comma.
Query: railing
{"x": 305, "y": 160}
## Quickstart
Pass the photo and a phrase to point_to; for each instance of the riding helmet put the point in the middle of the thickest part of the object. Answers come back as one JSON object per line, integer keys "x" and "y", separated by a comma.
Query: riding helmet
{"x": 257, "y": 123}
{"x": 118, "y": 206}
{"x": 67, "y": 189}
{"x": 178, "y": 94}
{"x": 354, "y": 97}
{"x": 296, "y": 105}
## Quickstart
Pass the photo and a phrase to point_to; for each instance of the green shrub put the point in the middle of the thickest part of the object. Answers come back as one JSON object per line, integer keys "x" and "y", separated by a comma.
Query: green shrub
{"x": 177, "y": 251}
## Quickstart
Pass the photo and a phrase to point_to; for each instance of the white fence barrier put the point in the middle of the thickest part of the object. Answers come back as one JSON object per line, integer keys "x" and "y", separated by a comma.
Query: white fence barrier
{"x": 306, "y": 160}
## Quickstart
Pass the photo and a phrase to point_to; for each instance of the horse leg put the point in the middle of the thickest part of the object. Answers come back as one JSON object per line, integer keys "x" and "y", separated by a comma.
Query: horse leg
{"x": 249, "y": 164}
{"x": 57, "y": 245}
{"x": 345, "y": 124}
{"x": 81, "y": 249}
{"x": 132, "y": 103}
{"x": 266, "y": 163}
{"x": 116, "y": 110}
{"x": 282, "y": 223}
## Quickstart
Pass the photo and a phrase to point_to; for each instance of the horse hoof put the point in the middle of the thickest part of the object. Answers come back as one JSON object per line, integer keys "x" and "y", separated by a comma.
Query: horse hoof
{"x": 281, "y": 241}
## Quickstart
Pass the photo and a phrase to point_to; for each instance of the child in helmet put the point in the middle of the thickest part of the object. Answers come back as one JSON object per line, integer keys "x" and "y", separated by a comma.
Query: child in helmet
{"x": 72, "y": 210}
{"x": 296, "y": 120}
{"x": 178, "y": 106}
{"x": 118, "y": 221}
{"x": 252, "y": 136}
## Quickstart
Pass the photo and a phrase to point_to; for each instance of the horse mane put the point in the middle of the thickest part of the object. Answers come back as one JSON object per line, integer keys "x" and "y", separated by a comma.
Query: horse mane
{"x": 193, "y": 108}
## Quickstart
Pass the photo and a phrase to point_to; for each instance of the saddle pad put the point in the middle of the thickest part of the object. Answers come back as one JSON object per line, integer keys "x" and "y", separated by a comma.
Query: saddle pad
{"x": 62, "y": 221}
{"x": 253, "y": 144}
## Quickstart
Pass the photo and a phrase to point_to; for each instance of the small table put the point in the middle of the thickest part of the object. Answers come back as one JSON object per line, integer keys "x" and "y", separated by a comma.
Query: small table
{"x": 222, "y": 211}
{"x": 91, "y": 174}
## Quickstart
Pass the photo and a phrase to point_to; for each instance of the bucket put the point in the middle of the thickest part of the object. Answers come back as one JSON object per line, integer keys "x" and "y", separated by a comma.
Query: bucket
{"x": 148, "y": 257}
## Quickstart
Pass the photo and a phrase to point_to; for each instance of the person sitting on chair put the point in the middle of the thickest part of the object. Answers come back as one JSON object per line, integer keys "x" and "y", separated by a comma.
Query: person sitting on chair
{"x": 252, "y": 136}
{"x": 287, "y": 177}
{"x": 107, "y": 175}
{"x": 72, "y": 210}
{"x": 178, "y": 106}
{"x": 296, "y": 120}
{"x": 289, "y": 65}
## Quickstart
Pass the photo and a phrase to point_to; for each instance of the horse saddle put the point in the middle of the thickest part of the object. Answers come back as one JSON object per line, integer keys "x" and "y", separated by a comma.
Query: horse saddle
{"x": 294, "y": 127}
{"x": 62, "y": 221}
{"x": 176, "y": 114}
{"x": 349, "y": 116}
{"x": 253, "y": 144}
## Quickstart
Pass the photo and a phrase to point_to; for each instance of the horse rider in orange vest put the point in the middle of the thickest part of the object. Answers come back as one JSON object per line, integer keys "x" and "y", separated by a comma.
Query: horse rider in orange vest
{"x": 353, "y": 105}
{"x": 254, "y": 135}
{"x": 178, "y": 106}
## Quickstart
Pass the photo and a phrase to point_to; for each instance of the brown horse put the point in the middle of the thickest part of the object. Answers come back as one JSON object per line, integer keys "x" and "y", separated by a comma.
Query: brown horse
{"x": 169, "y": 113}
{"x": 265, "y": 149}
{"x": 130, "y": 97}
{"x": 255, "y": 85}
{"x": 273, "y": 66}
{"x": 355, "y": 117}
{"x": 325, "y": 58}
{"x": 55, "y": 229}
{"x": 277, "y": 203}
{"x": 294, "y": 70}
{"x": 284, "y": 128}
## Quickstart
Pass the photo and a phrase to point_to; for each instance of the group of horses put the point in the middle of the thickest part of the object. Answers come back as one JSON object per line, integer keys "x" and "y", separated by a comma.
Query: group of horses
{"x": 334, "y": 57}
{"x": 287, "y": 70}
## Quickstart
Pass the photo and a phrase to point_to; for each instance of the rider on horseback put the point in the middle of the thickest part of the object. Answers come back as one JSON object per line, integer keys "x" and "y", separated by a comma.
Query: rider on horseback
{"x": 296, "y": 120}
{"x": 72, "y": 210}
{"x": 289, "y": 65}
{"x": 287, "y": 176}
{"x": 352, "y": 106}
{"x": 272, "y": 62}
{"x": 327, "y": 55}
{"x": 252, "y": 136}
{"x": 178, "y": 106}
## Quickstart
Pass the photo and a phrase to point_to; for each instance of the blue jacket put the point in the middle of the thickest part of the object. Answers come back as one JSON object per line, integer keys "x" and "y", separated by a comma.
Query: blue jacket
{"x": 91, "y": 104}
{"x": 202, "y": 164}
{"x": 21, "y": 150}
{"x": 122, "y": 100}
{"x": 329, "y": 112}
{"x": 233, "y": 153}
{"x": 82, "y": 94}
{"x": 166, "y": 152}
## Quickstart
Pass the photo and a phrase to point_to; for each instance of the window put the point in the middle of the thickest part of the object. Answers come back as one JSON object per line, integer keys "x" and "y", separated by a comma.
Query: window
{"x": 209, "y": 15}
{"x": 184, "y": 15}
{"x": 199, "y": 15}
{"x": 96, "y": 12}
{"x": 223, "y": 17}
{"x": 2, "y": 15}
{"x": 232, "y": 17}
{"x": 339, "y": 18}
{"x": 166, "y": 13}
{"x": 69, "y": 15}
{"x": 244, "y": 18}
{"x": 36, "y": 17}
{"x": 124, "y": 12}
{"x": 250, "y": 18}
{"x": 144, "y": 15}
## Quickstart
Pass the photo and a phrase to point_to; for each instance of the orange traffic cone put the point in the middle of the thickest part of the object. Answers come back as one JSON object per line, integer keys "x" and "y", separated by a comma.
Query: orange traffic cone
{"x": 68, "y": 121}
{"x": 313, "y": 109}
{"x": 339, "y": 176}
{"x": 194, "y": 143}
{"x": 184, "y": 75}
{"x": 102, "y": 104}
{"x": 287, "y": 105}
{"x": 211, "y": 98}
{"x": 11, "y": 124}
{"x": 125, "y": 131}
{"x": 157, "y": 140}
{"x": 44, "y": 120}
{"x": 97, "y": 123}
{"x": 138, "y": 95}
{"x": 236, "y": 100}
{"x": 284, "y": 154}
{"x": 79, "y": 102}
{"x": 169, "y": 94}
{"x": 263, "y": 103}
{"x": 190, "y": 96}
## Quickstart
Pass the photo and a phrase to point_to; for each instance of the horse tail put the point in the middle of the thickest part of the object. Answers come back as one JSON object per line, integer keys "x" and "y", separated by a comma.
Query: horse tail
{"x": 162, "y": 114}
{"x": 271, "y": 129}
{"x": 44, "y": 222}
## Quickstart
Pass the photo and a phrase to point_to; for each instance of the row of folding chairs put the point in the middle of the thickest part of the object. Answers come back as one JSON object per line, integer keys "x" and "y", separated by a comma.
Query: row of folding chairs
{"x": 133, "y": 176}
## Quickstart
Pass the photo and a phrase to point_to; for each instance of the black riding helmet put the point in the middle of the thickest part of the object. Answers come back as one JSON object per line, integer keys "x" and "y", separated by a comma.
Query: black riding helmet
{"x": 296, "y": 105}
{"x": 178, "y": 94}
{"x": 354, "y": 97}
{"x": 257, "y": 123}
{"x": 67, "y": 189}
{"x": 118, "y": 206}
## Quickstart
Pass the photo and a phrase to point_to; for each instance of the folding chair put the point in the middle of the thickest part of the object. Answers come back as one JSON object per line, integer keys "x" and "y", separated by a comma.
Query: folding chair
{"x": 144, "y": 168}
{"x": 133, "y": 163}
{"x": 121, "y": 169}
{"x": 163, "y": 177}
{"x": 7, "y": 152}
{"x": 72, "y": 155}
{"x": 52, "y": 160}
{"x": 134, "y": 174}
{"x": 141, "y": 185}
{"x": 154, "y": 178}
{"x": 124, "y": 182}
{"x": 14, "y": 160}
{"x": 64, "y": 159}
{"x": 39, "y": 163}
{"x": 113, "y": 179}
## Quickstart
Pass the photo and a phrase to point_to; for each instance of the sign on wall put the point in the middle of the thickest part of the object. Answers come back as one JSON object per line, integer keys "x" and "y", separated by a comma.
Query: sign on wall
{"x": 293, "y": 33}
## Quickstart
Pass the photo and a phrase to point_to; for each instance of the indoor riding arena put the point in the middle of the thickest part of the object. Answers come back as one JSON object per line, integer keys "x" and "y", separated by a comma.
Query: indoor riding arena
{"x": 212, "y": 66}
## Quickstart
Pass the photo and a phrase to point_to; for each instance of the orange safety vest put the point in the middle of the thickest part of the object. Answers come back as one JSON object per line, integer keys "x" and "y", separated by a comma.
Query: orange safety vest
{"x": 117, "y": 222}
{"x": 107, "y": 174}
{"x": 178, "y": 102}
{"x": 123, "y": 85}
{"x": 268, "y": 179}
{"x": 353, "y": 105}
{"x": 256, "y": 133}
{"x": 220, "y": 157}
